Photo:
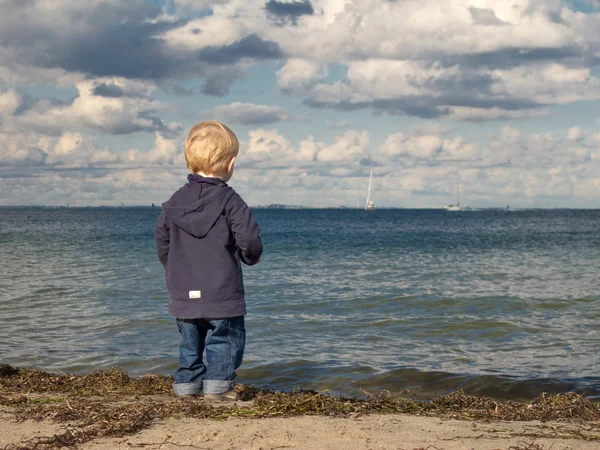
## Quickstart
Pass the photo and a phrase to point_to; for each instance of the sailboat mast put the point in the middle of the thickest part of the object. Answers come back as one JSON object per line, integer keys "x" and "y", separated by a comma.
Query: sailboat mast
{"x": 369, "y": 191}
{"x": 457, "y": 193}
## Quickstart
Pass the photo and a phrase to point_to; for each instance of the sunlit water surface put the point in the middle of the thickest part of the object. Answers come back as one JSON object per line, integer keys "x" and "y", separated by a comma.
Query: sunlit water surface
{"x": 499, "y": 303}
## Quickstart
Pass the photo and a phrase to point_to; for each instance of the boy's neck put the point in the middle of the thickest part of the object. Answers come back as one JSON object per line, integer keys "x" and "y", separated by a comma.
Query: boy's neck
{"x": 220, "y": 176}
{"x": 207, "y": 175}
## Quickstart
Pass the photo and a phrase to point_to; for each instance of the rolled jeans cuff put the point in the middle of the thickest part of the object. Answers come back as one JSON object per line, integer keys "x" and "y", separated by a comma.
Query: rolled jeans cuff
{"x": 187, "y": 388}
{"x": 218, "y": 386}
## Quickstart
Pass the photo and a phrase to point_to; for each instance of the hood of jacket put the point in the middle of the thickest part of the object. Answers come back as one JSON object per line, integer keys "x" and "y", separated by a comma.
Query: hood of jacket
{"x": 196, "y": 207}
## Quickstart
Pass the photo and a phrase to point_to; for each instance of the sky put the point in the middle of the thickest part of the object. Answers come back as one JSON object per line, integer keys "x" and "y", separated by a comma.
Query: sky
{"x": 501, "y": 98}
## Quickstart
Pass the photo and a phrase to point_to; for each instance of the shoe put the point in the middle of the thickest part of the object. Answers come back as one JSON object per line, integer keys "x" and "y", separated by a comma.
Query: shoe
{"x": 188, "y": 396}
{"x": 230, "y": 397}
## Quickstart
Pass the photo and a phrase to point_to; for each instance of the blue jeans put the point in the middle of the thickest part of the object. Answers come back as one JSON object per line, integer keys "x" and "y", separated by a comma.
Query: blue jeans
{"x": 224, "y": 352}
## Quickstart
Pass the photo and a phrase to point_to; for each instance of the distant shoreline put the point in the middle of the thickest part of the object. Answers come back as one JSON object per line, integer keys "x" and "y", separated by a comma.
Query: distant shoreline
{"x": 301, "y": 207}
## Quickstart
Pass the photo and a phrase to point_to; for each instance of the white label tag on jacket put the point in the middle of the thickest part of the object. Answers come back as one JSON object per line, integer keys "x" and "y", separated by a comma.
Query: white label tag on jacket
{"x": 195, "y": 294}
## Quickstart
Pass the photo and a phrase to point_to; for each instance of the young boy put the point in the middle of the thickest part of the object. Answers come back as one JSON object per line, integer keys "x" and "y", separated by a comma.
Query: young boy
{"x": 202, "y": 234}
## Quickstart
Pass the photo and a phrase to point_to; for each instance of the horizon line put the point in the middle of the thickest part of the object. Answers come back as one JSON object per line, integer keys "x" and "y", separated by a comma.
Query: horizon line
{"x": 285, "y": 206}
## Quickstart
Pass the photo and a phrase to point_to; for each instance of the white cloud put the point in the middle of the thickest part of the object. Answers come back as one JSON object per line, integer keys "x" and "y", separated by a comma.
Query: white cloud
{"x": 14, "y": 73}
{"x": 68, "y": 143}
{"x": 411, "y": 169}
{"x": 207, "y": 31}
{"x": 268, "y": 145}
{"x": 351, "y": 146}
{"x": 478, "y": 114}
{"x": 73, "y": 150}
{"x": 510, "y": 135}
{"x": 21, "y": 150}
{"x": 115, "y": 106}
{"x": 297, "y": 74}
{"x": 418, "y": 147}
{"x": 409, "y": 30}
{"x": 23, "y": 156}
{"x": 250, "y": 114}
{"x": 575, "y": 133}
{"x": 165, "y": 152}
{"x": 67, "y": 42}
{"x": 430, "y": 89}
{"x": 464, "y": 59}
{"x": 105, "y": 156}
{"x": 308, "y": 149}
{"x": 431, "y": 148}
{"x": 9, "y": 102}
{"x": 271, "y": 149}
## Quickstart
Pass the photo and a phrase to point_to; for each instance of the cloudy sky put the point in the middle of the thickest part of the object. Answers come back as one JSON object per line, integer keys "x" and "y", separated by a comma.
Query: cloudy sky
{"x": 97, "y": 97}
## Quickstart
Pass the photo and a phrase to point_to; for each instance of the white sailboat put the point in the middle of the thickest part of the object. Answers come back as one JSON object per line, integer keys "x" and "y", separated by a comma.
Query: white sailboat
{"x": 370, "y": 206}
{"x": 455, "y": 207}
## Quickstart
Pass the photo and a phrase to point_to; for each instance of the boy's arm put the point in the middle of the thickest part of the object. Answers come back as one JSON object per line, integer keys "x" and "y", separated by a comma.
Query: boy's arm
{"x": 162, "y": 238}
{"x": 245, "y": 231}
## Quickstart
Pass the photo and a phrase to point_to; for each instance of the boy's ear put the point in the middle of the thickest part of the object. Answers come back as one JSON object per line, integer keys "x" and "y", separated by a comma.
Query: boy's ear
{"x": 231, "y": 164}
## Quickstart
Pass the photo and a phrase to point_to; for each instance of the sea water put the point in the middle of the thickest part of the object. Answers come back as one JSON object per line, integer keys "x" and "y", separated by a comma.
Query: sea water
{"x": 498, "y": 303}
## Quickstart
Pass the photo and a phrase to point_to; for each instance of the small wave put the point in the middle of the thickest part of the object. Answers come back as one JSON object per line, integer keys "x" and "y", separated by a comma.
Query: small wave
{"x": 354, "y": 380}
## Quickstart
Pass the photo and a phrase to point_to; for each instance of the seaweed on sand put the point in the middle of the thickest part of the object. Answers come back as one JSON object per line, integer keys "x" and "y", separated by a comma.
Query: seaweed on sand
{"x": 99, "y": 383}
{"x": 112, "y": 404}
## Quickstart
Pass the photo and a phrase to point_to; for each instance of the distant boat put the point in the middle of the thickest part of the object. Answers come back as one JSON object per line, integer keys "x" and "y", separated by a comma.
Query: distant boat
{"x": 455, "y": 207}
{"x": 153, "y": 205}
{"x": 370, "y": 206}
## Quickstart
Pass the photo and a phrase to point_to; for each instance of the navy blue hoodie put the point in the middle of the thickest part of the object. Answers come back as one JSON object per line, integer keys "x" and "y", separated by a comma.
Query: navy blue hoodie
{"x": 202, "y": 234}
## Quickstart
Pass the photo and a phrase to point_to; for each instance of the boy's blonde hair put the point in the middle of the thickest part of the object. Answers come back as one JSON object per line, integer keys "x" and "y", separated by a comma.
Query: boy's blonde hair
{"x": 210, "y": 146}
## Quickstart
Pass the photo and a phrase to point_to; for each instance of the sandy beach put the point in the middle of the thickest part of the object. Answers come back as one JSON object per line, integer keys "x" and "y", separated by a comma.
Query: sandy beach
{"x": 110, "y": 410}
{"x": 397, "y": 431}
